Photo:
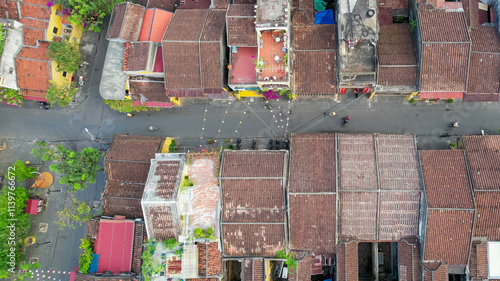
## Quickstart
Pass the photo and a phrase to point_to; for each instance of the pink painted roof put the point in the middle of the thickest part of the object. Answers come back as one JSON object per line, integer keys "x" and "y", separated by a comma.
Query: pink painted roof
{"x": 243, "y": 66}
{"x": 114, "y": 245}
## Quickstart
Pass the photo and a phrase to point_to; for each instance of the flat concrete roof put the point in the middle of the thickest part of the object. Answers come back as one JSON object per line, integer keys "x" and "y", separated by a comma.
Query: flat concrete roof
{"x": 271, "y": 11}
{"x": 113, "y": 79}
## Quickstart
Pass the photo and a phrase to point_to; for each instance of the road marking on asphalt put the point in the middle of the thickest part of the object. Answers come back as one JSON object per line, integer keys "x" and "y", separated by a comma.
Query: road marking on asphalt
{"x": 261, "y": 119}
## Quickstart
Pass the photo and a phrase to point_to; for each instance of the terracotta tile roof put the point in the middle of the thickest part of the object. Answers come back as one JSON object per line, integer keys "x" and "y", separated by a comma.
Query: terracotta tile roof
{"x": 312, "y": 222}
{"x": 154, "y": 91}
{"x": 307, "y": 8}
{"x": 397, "y": 76}
{"x": 128, "y": 172}
{"x": 252, "y": 164}
{"x": 448, "y": 236}
{"x": 220, "y": 4}
{"x": 397, "y": 162}
{"x": 299, "y": 18}
{"x": 214, "y": 25}
{"x": 478, "y": 264}
{"x": 8, "y": 9}
{"x": 394, "y": 4}
{"x": 254, "y": 269}
{"x": 83, "y": 277}
{"x": 347, "y": 261}
{"x": 31, "y": 35}
{"x": 115, "y": 25}
{"x": 38, "y": 53}
{"x": 33, "y": 11}
{"x": 409, "y": 260}
{"x": 211, "y": 65}
{"x": 33, "y": 75}
{"x": 92, "y": 228}
{"x": 471, "y": 12}
{"x": 488, "y": 215}
{"x": 483, "y": 73}
{"x": 126, "y": 22}
{"x": 160, "y": 220}
{"x": 315, "y": 37}
{"x": 399, "y": 214}
{"x": 214, "y": 259}
{"x": 202, "y": 259}
{"x": 245, "y": 2}
{"x": 186, "y": 25}
{"x": 303, "y": 271}
{"x": 252, "y": 193}
{"x": 35, "y": 23}
{"x": 130, "y": 208}
{"x": 315, "y": 73}
{"x": 395, "y": 46}
{"x": 126, "y": 190}
{"x": 446, "y": 179}
{"x": 358, "y": 215}
{"x": 154, "y": 25}
{"x": 483, "y": 155}
{"x": 248, "y": 270}
{"x": 241, "y": 32}
{"x": 240, "y": 26}
{"x": 36, "y": 2}
{"x": 137, "y": 56}
{"x": 443, "y": 26}
{"x": 251, "y": 216}
{"x": 137, "y": 250}
{"x": 437, "y": 273}
{"x": 357, "y": 162}
{"x": 253, "y": 239}
{"x": 485, "y": 39}
{"x": 37, "y": 94}
{"x": 182, "y": 65}
{"x": 167, "y": 5}
{"x": 168, "y": 172}
{"x": 312, "y": 167}
{"x": 134, "y": 148}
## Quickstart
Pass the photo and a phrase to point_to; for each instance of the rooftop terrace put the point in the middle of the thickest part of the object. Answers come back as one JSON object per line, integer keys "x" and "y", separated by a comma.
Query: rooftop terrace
{"x": 242, "y": 66}
{"x": 272, "y": 50}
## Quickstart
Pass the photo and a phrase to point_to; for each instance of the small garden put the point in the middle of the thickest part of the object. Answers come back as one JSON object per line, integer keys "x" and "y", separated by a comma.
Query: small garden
{"x": 11, "y": 97}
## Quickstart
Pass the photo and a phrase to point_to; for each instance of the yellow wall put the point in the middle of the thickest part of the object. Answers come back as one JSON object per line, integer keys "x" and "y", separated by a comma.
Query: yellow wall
{"x": 76, "y": 34}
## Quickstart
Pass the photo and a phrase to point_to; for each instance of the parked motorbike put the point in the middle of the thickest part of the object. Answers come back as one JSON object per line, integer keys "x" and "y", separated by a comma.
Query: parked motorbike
{"x": 445, "y": 135}
{"x": 455, "y": 124}
{"x": 254, "y": 144}
{"x": 287, "y": 144}
{"x": 238, "y": 144}
{"x": 270, "y": 144}
{"x": 345, "y": 120}
{"x": 277, "y": 144}
{"x": 152, "y": 128}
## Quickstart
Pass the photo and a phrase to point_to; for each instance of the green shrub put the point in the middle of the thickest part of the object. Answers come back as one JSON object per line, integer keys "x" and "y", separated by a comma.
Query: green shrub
{"x": 204, "y": 233}
{"x": 21, "y": 172}
{"x": 126, "y": 106}
{"x": 61, "y": 95}
{"x": 42, "y": 151}
{"x": 452, "y": 144}
{"x": 230, "y": 147}
{"x": 451, "y": 100}
{"x": 170, "y": 243}
{"x": 171, "y": 147}
{"x": 86, "y": 255}
{"x": 412, "y": 100}
{"x": 290, "y": 259}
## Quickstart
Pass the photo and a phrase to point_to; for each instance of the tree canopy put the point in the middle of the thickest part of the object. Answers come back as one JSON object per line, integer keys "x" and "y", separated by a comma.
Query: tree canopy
{"x": 61, "y": 95}
{"x": 65, "y": 54}
{"x": 78, "y": 167}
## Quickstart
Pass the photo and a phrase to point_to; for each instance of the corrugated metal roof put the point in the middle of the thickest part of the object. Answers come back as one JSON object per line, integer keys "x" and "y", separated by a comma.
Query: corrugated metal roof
{"x": 114, "y": 245}
{"x": 190, "y": 261}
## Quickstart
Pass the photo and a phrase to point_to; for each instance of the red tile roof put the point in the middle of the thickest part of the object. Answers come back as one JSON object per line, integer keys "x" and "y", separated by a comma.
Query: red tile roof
{"x": 167, "y": 5}
{"x": 153, "y": 91}
{"x": 8, "y": 9}
{"x": 409, "y": 260}
{"x": 168, "y": 172}
{"x": 394, "y": 4}
{"x": 240, "y": 26}
{"x": 92, "y": 228}
{"x": 137, "y": 250}
{"x": 436, "y": 272}
{"x": 399, "y": 214}
{"x": 134, "y": 148}
{"x": 214, "y": 25}
{"x": 31, "y": 35}
{"x": 210, "y": 63}
{"x": 252, "y": 193}
{"x": 219, "y": 4}
{"x": 397, "y": 76}
{"x": 312, "y": 167}
{"x": 303, "y": 271}
{"x": 181, "y": 62}
{"x": 441, "y": 95}
{"x": 315, "y": 73}
{"x": 33, "y": 11}
{"x": 358, "y": 215}
{"x": 397, "y": 162}
{"x": 114, "y": 245}
{"x": 478, "y": 260}
{"x": 395, "y": 46}
{"x": 485, "y": 39}
{"x": 128, "y": 207}
{"x": 161, "y": 224}
{"x": 186, "y": 25}
{"x": 483, "y": 155}
{"x": 33, "y": 76}
{"x": 127, "y": 172}
{"x": 446, "y": 179}
{"x": 253, "y": 239}
{"x": 253, "y": 216}
{"x": 126, "y": 190}
{"x": 137, "y": 56}
{"x": 483, "y": 73}
{"x": 154, "y": 25}
{"x": 347, "y": 261}
{"x": 35, "y": 23}
{"x": 315, "y": 37}
{"x": 448, "y": 236}
{"x": 126, "y": 22}
{"x": 252, "y": 164}
{"x": 34, "y": 53}
{"x": 312, "y": 222}
{"x": 209, "y": 255}
{"x": 488, "y": 215}
{"x": 357, "y": 162}
{"x": 443, "y": 26}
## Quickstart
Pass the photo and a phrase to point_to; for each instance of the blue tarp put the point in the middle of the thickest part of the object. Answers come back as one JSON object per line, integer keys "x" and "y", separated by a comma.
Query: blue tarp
{"x": 94, "y": 263}
{"x": 324, "y": 17}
